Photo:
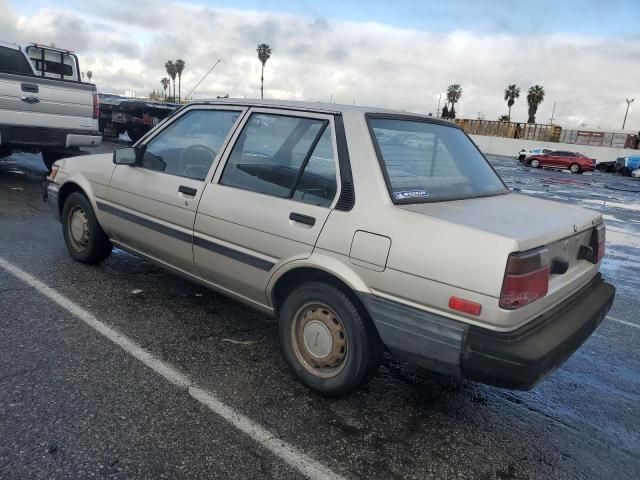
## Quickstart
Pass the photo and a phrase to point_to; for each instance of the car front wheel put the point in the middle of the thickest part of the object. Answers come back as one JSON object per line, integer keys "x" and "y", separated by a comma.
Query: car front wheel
{"x": 575, "y": 168}
{"x": 85, "y": 239}
{"x": 535, "y": 163}
{"x": 328, "y": 344}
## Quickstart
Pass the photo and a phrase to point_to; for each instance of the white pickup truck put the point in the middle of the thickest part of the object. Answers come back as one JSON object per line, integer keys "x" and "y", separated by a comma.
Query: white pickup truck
{"x": 44, "y": 105}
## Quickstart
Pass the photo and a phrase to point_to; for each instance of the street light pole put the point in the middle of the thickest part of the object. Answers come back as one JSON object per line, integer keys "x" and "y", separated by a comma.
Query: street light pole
{"x": 629, "y": 102}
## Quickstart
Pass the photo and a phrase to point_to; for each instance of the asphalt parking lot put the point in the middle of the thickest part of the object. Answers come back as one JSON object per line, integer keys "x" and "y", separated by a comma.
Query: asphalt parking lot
{"x": 76, "y": 402}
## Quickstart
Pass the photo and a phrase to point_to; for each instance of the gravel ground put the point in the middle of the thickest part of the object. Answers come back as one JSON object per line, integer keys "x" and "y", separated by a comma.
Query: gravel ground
{"x": 74, "y": 405}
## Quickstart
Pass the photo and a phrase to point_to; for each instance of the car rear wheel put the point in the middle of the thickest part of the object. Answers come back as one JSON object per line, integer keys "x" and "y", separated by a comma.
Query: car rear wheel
{"x": 327, "y": 343}
{"x": 85, "y": 239}
{"x": 575, "y": 168}
{"x": 535, "y": 163}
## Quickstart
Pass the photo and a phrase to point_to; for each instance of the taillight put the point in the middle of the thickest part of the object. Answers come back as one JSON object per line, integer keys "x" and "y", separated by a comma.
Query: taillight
{"x": 526, "y": 278}
{"x": 96, "y": 106}
{"x": 598, "y": 238}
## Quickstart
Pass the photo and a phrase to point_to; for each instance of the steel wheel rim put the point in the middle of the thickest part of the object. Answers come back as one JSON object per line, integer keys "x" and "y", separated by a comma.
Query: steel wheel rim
{"x": 319, "y": 340}
{"x": 574, "y": 168}
{"x": 535, "y": 164}
{"x": 78, "y": 228}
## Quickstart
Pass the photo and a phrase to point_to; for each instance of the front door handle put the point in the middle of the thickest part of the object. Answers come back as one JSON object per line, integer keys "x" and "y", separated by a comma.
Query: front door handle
{"x": 29, "y": 87}
{"x": 187, "y": 190}
{"x": 300, "y": 218}
{"x": 30, "y": 99}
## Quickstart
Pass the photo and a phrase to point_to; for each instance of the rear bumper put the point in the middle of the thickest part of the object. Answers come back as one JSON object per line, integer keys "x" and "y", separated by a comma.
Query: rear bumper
{"x": 47, "y": 138}
{"x": 518, "y": 360}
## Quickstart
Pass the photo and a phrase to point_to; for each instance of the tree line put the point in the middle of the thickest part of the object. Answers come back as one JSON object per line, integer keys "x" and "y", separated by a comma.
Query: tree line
{"x": 535, "y": 97}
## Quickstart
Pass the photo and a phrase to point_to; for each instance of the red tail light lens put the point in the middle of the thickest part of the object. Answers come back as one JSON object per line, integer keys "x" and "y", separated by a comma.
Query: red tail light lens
{"x": 96, "y": 106}
{"x": 526, "y": 278}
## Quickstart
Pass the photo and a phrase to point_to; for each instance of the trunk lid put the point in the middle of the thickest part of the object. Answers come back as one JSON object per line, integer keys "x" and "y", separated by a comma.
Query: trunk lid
{"x": 531, "y": 223}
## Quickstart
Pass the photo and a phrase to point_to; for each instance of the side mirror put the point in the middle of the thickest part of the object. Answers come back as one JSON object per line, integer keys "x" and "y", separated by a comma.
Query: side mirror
{"x": 126, "y": 156}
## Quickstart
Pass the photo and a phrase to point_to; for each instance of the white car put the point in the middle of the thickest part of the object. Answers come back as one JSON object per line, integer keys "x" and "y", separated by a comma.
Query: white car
{"x": 523, "y": 154}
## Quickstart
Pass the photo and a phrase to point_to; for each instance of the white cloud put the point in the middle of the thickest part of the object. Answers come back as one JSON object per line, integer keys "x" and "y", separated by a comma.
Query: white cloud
{"x": 126, "y": 46}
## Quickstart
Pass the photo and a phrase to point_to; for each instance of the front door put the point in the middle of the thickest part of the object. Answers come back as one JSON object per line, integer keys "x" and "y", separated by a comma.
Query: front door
{"x": 151, "y": 206}
{"x": 268, "y": 201}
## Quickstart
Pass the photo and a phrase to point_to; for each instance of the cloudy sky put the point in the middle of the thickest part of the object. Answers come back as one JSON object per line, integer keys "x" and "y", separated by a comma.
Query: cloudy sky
{"x": 400, "y": 54}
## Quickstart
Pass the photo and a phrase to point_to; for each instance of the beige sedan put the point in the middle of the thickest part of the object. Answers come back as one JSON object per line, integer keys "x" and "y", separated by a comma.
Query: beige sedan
{"x": 359, "y": 229}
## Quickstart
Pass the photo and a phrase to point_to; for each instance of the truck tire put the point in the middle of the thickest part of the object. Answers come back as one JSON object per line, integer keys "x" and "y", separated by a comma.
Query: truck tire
{"x": 328, "y": 344}
{"x": 625, "y": 171}
{"x": 50, "y": 156}
{"x": 85, "y": 239}
{"x": 136, "y": 134}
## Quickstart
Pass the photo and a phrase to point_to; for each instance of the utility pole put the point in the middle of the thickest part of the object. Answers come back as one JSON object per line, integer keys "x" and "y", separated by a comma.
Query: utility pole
{"x": 629, "y": 102}
{"x": 438, "y": 110}
{"x": 553, "y": 112}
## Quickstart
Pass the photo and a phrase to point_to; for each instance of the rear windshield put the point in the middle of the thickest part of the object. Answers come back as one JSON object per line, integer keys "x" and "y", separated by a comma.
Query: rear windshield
{"x": 428, "y": 162}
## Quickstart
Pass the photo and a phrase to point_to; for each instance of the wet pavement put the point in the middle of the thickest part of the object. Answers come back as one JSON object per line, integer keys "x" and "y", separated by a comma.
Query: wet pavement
{"x": 73, "y": 405}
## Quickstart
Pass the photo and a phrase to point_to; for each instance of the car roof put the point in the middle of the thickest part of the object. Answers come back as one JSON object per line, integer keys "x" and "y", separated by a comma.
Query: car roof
{"x": 320, "y": 107}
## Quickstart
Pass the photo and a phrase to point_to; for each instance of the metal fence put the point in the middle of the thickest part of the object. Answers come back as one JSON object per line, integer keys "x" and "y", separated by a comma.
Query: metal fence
{"x": 547, "y": 133}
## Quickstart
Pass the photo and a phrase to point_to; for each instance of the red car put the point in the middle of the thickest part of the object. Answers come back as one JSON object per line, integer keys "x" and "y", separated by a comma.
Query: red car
{"x": 576, "y": 162}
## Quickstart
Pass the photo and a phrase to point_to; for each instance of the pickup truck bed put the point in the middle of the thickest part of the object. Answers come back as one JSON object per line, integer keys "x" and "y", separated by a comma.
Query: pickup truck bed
{"x": 43, "y": 114}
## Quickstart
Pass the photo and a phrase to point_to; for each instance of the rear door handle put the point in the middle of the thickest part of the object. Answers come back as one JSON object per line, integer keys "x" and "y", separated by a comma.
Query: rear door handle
{"x": 300, "y": 218}
{"x": 187, "y": 190}
{"x": 29, "y": 87}
{"x": 30, "y": 99}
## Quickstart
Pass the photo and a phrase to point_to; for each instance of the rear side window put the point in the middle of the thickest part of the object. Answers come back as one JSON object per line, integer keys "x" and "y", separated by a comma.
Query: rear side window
{"x": 284, "y": 156}
{"x": 54, "y": 68}
{"x": 14, "y": 61}
{"x": 429, "y": 162}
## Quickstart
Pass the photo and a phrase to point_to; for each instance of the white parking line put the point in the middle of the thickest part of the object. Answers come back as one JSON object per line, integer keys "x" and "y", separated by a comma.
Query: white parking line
{"x": 286, "y": 452}
{"x": 623, "y": 322}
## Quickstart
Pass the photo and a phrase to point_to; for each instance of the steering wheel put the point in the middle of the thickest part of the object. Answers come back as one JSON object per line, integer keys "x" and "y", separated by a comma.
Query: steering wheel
{"x": 197, "y": 158}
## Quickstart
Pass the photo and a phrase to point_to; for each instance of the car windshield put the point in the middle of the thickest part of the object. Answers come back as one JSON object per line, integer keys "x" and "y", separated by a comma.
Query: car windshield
{"x": 429, "y": 162}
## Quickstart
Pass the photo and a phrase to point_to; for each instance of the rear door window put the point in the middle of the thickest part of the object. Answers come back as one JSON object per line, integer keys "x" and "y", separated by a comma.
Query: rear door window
{"x": 284, "y": 156}
{"x": 14, "y": 61}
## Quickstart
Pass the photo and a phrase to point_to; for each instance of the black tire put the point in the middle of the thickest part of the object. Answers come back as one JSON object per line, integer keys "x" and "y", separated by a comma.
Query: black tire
{"x": 49, "y": 157}
{"x": 575, "y": 168}
{"x": 136, "y": 134}
{"x": 522, "y": 158}
{"x": 90, "y": 244}
{"x": 625, "y": 171}
{"x": 361, "y": 351}
{"x": 536, "y": 162}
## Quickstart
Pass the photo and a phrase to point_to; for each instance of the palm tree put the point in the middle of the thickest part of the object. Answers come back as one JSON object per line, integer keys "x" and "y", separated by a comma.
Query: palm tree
{"x": 510, "y": 94}
{"x": 534, "y": 99}
{"x": 171, "y": 71}
{"x": 179, "y": 65}
{"x": 89, "y": 74}
{"x": 264, "y": 54}
{"x": 165, "y": 82}
{"x": 454, "y": 92}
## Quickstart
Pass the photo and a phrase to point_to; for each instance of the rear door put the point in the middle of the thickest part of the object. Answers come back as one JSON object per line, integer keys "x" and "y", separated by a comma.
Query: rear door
{"x": 268, "y": 201}
{"x": 151, "y": 206}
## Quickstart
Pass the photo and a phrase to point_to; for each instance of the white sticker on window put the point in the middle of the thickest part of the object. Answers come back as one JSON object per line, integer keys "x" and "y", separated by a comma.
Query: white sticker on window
{"x": 410, "y": 194}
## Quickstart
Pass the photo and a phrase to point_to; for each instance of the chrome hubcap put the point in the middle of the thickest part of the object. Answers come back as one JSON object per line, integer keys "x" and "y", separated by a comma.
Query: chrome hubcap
{"x": 78, "y": 228}
{"x": 319, "y": 340}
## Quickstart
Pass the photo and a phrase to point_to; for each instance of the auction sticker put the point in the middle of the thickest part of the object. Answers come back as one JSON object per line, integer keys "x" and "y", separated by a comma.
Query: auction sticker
{"x": 410, "y": 194}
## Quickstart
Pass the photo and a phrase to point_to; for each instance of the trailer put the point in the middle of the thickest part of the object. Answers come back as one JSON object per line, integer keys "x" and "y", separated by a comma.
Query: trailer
{"x": 134, "y": 116}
